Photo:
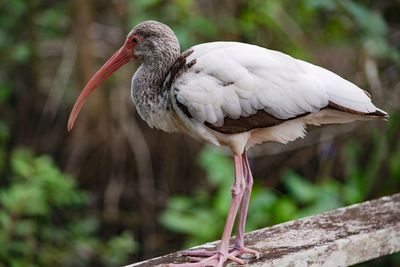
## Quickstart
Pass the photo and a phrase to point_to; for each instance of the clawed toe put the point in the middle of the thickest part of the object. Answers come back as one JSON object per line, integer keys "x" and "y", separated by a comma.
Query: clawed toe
{"x": 198, "y": 253}
{"x": 203, "y": 257}
{"x": 238, "y": 251}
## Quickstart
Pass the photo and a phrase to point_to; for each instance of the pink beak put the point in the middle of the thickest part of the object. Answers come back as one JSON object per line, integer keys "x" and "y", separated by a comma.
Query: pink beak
{"x": 120, "y": 58}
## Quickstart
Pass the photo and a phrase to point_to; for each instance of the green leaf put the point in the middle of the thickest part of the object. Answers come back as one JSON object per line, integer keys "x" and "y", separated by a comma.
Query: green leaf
{"x": 119, "y": 248}
{"x": 4, "y": 132}
{"x": 218, "y": 167}
{"x": 5, "y": 92}
{"x": 324, "y": 4}
{"x": 284, "y": 210}
{"x": 370, "y": 21}
{"x": 394, "y": 164}
{"x": 20, "y": 53}
{"x": 22, "y": 163}
{"x": 260, "y": 209}
{"x": 180, "y": 203}
{"x": 327, "y": 198}
{"x": 223, "y": 198}
{"x": 298, "y": 187}
{"x": 20, "y": 199}
{"x": 25, "y": 228}
{"x": 85, "y": 226}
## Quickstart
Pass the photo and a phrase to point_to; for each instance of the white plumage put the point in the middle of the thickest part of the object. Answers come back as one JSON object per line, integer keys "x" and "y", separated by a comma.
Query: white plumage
{"x": 234, "y": 80}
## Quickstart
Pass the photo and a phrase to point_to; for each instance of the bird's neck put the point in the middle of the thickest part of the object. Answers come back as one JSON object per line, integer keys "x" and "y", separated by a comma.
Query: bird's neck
{"x": 151, "y": 99}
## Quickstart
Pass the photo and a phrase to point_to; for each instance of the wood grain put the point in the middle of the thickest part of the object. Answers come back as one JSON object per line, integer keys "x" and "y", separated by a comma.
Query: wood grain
{"x": 341, "y": 237}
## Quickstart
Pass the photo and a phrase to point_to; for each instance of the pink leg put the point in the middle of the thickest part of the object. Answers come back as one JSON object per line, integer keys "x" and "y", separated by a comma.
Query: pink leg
{"x": 217, "y": 258}
{"x": 239, "y": 247}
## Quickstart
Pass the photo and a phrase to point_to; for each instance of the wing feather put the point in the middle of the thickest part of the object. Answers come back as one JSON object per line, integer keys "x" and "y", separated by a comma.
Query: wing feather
{"x": 236, "y": 80}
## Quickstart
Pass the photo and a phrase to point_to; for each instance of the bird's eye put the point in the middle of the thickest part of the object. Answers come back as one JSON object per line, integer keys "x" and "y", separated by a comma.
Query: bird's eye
{"x": 135, "y": 39}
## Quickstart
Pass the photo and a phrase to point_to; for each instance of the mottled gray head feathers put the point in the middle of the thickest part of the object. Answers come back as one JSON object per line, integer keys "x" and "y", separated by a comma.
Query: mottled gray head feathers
{"x": 157, "y": 41}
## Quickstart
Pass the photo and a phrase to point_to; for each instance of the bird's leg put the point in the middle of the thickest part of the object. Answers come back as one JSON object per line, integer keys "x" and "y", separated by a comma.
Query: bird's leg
{"x": 239, "y": 247}
{"x": 237, "y": 191}
{"x": 217, "y": 258}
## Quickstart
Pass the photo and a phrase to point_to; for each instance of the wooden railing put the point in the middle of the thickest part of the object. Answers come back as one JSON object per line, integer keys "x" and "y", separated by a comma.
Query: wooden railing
{"x": 341, "y": 237}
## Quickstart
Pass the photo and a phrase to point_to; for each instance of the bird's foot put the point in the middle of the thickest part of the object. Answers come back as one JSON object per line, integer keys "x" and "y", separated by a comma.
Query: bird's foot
{"x": 239, "y": 250}
{"x": 203, "y": 258}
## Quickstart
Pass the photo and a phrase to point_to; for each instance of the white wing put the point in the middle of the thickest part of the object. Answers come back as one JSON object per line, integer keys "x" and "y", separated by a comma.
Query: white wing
{"x": 230, "y": 79}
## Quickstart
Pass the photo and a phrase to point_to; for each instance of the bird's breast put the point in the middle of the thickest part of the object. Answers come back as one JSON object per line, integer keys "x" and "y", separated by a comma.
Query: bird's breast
{"x": 156, "y": 110}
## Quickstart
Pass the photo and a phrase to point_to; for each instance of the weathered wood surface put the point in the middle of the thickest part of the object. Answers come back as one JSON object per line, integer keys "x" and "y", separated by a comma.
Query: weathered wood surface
{"x": 341, "y": 237}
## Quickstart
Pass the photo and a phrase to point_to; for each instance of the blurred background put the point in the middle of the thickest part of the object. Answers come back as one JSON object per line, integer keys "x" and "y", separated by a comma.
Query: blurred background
{"x": 114, "y": 191}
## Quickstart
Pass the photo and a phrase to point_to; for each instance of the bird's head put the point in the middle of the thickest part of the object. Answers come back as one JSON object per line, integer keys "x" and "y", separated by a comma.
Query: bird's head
{"x": 149, "y": 41}
{"x": 153, "y": 40}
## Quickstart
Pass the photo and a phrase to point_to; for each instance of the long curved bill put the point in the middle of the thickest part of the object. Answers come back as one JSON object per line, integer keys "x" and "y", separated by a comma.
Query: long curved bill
{"x": 120, "y": 58}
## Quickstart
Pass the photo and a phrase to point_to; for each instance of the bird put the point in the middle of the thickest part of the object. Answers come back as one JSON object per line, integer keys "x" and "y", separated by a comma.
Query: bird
{"x": 234, "y": 95}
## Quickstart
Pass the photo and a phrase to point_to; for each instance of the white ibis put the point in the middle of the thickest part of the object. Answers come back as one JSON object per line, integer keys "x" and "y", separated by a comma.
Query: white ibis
{"x": 230, "y": 94}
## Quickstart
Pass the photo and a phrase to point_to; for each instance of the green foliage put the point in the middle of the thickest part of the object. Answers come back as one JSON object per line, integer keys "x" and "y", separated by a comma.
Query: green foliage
{"x": 118, "y": 248}
{"x": 343, "y": 21}
{"x": 312, "y": 198}
{"x": 193, "y": 215}
{"x": 43, "y": 223}
{"x": 198, "y": 27}
{"x": 380, "y": 168}
{"x": 202, "y": 216}
{"x": 373, "y": 29}
{"x": 4, "y": 136}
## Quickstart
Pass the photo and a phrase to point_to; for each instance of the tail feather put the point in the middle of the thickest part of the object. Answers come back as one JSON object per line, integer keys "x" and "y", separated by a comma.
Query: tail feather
{"x": 380, "y": 113}
{"x": 344, "y": 95}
